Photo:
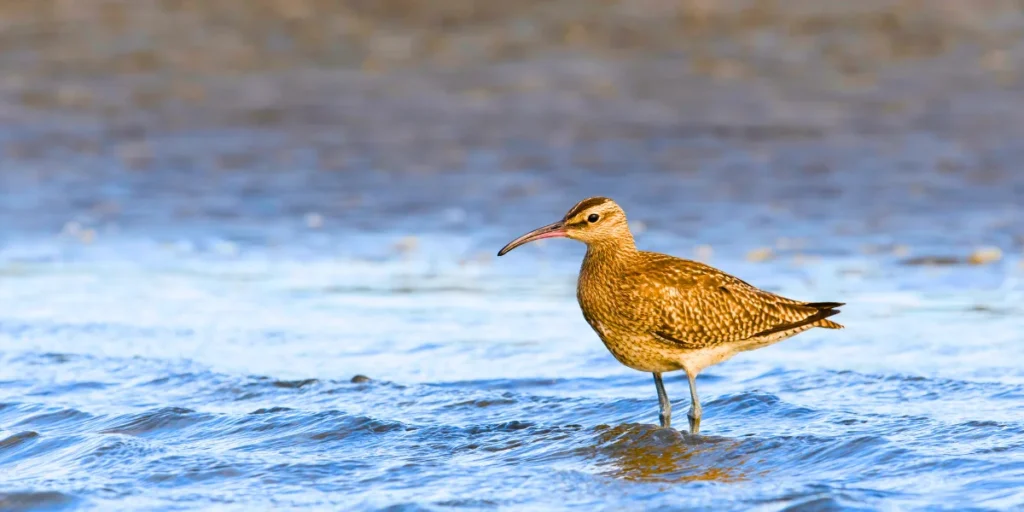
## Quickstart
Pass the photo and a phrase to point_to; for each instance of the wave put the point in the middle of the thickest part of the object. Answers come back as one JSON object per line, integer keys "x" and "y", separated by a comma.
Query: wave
{"x": 35, "y": 500}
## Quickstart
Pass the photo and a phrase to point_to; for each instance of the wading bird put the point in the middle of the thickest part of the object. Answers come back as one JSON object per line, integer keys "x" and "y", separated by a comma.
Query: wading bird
{"x": 657, "y": 313}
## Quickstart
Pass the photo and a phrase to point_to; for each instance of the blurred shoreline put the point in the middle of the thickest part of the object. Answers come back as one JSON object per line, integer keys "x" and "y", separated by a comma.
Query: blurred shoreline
{"x": 408, "y": 85}
{"x": 871, "y": 119}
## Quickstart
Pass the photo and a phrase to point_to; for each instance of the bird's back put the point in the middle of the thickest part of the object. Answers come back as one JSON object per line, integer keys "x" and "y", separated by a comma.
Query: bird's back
{"x": 695, "y": 306}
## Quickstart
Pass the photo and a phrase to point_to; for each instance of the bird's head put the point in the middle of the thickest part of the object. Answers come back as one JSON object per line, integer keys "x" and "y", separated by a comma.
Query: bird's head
{"x": 595, "y": 221}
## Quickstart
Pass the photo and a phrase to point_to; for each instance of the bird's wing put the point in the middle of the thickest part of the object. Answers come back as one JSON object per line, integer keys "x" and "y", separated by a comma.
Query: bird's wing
{"x": 699, "y": 306}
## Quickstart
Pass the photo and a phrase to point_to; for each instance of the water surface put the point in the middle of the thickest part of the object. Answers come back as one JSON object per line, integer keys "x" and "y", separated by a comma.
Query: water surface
{"x": 247, "y": 253}
{"x": 194, "y": 345}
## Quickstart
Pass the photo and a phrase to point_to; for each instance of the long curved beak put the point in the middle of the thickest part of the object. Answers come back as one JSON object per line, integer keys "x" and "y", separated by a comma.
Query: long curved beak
{"x": 554, "y": 230}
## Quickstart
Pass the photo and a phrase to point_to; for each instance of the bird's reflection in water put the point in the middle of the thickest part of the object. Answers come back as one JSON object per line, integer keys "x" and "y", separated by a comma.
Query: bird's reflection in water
{"x": 650, "y": 453}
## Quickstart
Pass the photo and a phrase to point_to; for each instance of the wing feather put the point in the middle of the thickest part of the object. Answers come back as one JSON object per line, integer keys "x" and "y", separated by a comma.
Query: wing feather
{"x": 700, "y": 306}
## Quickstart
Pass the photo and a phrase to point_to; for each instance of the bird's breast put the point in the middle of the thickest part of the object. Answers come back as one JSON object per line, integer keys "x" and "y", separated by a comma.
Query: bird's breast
{"x": 598, "y": 296}
{"x": 609, "y": 314}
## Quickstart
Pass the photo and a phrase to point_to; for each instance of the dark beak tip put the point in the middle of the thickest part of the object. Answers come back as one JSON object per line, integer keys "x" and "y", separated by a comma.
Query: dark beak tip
{"x": 531, "y": 236}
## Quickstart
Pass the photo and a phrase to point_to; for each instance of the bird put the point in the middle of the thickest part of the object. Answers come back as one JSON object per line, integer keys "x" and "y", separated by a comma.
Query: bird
{"x": 657, "y": 313}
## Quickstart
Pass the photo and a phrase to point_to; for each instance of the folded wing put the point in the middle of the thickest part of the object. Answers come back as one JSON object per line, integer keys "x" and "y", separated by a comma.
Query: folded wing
{"x": 699, "y": 306}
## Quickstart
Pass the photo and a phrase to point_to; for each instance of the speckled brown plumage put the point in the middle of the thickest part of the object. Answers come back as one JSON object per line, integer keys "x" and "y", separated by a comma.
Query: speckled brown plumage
{"x": 658, "y": 313}
{"x": 651, "y": 310}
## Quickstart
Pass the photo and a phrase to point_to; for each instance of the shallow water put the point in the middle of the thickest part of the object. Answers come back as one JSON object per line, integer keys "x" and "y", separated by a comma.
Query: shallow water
{"x": 192, "y": 342}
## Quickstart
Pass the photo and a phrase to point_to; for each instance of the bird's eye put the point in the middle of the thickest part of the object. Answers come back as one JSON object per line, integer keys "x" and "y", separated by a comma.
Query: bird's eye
{"x": 593, "y": 218}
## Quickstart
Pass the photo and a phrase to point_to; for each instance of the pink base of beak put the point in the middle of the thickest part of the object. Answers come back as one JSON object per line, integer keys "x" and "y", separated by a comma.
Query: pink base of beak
{"x": 550, "y": 234}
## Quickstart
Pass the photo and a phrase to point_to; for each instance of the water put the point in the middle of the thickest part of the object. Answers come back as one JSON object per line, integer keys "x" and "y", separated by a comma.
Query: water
{"x": 193, "y": 341}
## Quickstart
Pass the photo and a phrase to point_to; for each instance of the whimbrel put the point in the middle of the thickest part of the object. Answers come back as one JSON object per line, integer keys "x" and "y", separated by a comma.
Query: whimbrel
{"x": 657, "y": 313}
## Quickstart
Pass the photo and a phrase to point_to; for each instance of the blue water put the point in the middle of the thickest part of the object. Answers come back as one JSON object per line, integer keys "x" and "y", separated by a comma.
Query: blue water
{"x": 188, "y": 340}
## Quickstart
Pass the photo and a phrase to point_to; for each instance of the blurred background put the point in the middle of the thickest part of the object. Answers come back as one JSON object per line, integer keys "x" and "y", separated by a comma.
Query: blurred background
{"x": 213, "y": 214}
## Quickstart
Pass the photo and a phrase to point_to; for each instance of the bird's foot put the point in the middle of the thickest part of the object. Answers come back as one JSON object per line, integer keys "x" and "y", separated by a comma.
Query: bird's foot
{"x": 694, "y": 423}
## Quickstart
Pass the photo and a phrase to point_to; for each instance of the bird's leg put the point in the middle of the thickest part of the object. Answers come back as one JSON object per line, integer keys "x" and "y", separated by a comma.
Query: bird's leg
{"x": 694, "y": 414}
{"x": 665, "y": 414}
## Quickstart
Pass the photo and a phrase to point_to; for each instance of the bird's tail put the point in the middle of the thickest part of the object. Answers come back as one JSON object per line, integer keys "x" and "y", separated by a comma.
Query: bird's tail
{"x": 825, "y": 310}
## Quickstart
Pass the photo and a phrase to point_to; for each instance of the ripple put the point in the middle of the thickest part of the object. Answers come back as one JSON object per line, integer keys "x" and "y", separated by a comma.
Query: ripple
{"x": 272, "y": 410}
{"x": 484, "y": 403}
{"x": 18, "y": 439}
{"x": 56, "y": 418}
{"x": 183, "y": 470}
{"x": 823, "y": 504}
{"x": 113, "y": 452}
{"x": 41, "y": 500}
{"x": 175, "y": 379}
{"x": 826, "y": 453}
{"x": 71, "y": 387}
{"x": 51, "y": 358}
{"x": 297, "y": 429}
{"x": 746, "y": 401}
{"x": 294, "y": 384}
{"x": 167, "y": 418}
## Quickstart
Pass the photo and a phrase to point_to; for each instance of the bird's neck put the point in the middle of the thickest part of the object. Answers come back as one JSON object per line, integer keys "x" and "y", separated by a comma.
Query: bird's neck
{"x": 611, "y": 251}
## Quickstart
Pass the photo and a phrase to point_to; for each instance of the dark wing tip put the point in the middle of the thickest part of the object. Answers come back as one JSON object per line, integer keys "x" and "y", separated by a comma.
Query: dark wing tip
{"x": 822, "y": 314}
{"x": 824, "y": 305}
{"x": 825, "y": 313}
